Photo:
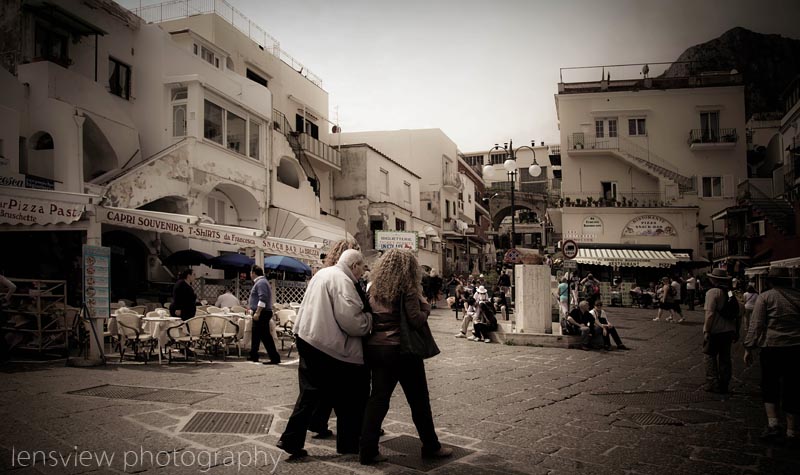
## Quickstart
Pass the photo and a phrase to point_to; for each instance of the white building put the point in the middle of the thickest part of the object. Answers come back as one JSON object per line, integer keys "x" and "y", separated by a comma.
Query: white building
{"x": 430, "y": 154}
{"x": 647, "y": 161}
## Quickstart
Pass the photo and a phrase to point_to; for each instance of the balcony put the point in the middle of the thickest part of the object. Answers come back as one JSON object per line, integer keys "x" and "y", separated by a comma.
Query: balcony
{"x": 453, "y": 181}
{"x": 732, "y": 247}
{"x": 320, "y": 151}
{"x": 621, "y": 200}
{"x": 711, "y": 139}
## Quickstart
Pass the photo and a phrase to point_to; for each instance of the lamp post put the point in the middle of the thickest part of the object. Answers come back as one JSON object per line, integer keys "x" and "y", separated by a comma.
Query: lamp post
{"x": 510, "y": 165}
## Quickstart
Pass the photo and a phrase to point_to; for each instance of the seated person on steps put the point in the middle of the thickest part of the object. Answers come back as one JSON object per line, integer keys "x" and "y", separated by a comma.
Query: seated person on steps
{"x": 485, "y": 323}
{"x": 470, "y": 312}
{"x": 580, "y": 321}
{"x": 601, "y": 321}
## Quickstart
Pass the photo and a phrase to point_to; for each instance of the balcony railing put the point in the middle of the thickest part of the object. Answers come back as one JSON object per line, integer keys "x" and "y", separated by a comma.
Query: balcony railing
{"x": 320, "y": 150}
{"x": 621, "y": 200}
{"x": 452, "y": 180}
{"x": 729, "y": 247}
{"x": 711, "y": 136}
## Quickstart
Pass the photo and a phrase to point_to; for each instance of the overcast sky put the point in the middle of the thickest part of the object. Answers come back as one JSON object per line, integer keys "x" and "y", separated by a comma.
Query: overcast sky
{"x": 485, "y": 71}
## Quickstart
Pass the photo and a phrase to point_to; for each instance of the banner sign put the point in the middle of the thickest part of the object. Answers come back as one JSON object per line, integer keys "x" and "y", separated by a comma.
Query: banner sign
{"x": 396, "y": 240}
{"x": 649, "y": 225}
{"x": 181, "y": 225}
{"x": 37, "y": 211}
{"x": 96, "y": 265}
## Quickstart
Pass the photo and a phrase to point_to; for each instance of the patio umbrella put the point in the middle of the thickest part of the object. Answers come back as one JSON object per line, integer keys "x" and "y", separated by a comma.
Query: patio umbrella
{"x": 231, "y": 261}
{"x": 187, "y": 257}
{"x": 286, "y": 264}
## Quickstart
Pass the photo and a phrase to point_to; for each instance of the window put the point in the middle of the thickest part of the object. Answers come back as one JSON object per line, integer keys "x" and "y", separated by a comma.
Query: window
{"x": 384, "y": 181}
{"x": 636, "y": 127}
{"x": 119, "y": 78}
{"x": 306, "y": 126}
{"x": 407, "y": 189}
{"x": 217, "y": 206}
{"x": 235, "y": 132}
{"x": 709, "y": 126}
{"x": 612, "y": 127}
{"x": 195, "y": 48}
{"x": 2, "y": 149}
{"x": 609, "y": 189}
{"x": 430, "y": 205}
{"x": 712, "y": 187}
{"x": 208, "y": 56}
{"x": 447, "y": 209}
{"x": 50, "y": 45}
{"x": 376, "y": 224}
{"x": 422, "y": 242}
{"x": 179, "y": 96}
{"x": 212, "y": 122}
{"x": 399, "y": 225}
{"x": 255, "y": 77}
{"x": 255, "y": 139}
{"x": 598, "y": 128}
{"x": 474, "y": 160}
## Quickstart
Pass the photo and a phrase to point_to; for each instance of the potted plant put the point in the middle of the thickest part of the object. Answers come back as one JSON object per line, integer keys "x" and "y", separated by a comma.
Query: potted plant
{"x": 589, "y": 201}
{"x": 561, "y": 202}
{"x": 568, "y": 201}
{"x": 579, "y": 202}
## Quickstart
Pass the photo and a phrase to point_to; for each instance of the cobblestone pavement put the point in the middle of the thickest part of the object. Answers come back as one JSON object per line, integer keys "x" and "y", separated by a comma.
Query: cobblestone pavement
{"x": 516, "y": 409}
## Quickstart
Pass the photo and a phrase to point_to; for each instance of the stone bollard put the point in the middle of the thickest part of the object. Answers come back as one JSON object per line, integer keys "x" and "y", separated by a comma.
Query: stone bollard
{"x": 534, "y": 301}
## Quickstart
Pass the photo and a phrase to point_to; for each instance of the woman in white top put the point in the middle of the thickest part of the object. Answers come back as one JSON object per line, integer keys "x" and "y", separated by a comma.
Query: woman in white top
{"x": 601, "y": 322}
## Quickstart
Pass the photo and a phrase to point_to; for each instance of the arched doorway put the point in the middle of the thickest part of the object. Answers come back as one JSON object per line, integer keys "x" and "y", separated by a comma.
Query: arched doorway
{"x": 128, "y": 271}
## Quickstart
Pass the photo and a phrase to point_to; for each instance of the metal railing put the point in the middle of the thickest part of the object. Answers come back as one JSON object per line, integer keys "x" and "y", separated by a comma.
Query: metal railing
{"x": 320, "y": 149}
{"x": 581, "y": 141}
{"x": 178, "y": 9}
{"x": 712, "y": 136}
{"x": 452, "y": 179}
{"x": 280, "y": 123}
{"x": 731, "y": 247}
{"x": 554, "y": 150}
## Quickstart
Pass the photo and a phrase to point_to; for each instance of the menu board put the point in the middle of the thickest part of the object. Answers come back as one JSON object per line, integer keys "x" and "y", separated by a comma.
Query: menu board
{"x": 96, "y": 264}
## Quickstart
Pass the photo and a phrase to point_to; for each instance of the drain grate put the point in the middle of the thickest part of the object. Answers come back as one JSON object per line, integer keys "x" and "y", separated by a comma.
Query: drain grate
{"x": 654, "y": 398}
{"x": 229, "y": 423}
{"x": 655, "y": 420}
{"x": 690, "y": 416}
{"x": 405, "y": 450}
{"x": 138, "y": 393}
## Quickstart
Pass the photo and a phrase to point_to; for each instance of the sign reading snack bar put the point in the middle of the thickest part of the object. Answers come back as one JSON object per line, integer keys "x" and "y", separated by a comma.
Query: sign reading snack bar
{"x": 36, "y": 211}
{"x": 649, "y": 225}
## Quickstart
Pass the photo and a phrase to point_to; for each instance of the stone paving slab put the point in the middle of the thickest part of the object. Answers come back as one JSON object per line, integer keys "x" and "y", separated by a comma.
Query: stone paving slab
{"x": 521, "y": 409}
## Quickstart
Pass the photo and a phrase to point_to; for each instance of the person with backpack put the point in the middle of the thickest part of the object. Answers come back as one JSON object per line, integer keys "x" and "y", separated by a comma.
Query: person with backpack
{"x": 591, "y": 287}
{"x": 774, "y": 332}
{"x": 666, "y": 300}
{"x": 720, "y": 331}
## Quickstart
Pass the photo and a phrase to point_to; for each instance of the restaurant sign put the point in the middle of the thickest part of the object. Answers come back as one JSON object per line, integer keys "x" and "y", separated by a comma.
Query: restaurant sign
{"x": 19, "y": 210}
{"x": 396, "y": 240}
{"x": 96, "y": 265}
{"x": 592, "y": 225}
{"x": 649, "y": 225}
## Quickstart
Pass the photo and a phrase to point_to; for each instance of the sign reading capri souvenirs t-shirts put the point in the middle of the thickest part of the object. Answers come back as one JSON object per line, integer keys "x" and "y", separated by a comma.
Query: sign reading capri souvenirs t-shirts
{"x": 385, "y": 240}
{"x": 649, "y": 225}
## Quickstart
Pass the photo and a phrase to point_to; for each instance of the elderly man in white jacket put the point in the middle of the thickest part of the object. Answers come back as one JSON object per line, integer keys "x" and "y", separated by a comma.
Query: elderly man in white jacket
{"x": 333, "y": 317}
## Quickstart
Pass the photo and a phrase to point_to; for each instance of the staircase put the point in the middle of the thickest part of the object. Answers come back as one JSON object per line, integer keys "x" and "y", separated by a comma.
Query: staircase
{"x": 647, "y": 160}
{"x": 305, "y": 163}
{"x": 778, "y": 211}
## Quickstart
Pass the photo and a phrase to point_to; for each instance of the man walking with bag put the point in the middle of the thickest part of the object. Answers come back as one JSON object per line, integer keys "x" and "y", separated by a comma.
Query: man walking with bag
{"x": 720, "y": 331}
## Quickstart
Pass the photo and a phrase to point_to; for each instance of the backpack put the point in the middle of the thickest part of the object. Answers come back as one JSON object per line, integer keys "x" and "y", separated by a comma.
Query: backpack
{"x": 672, "y": 292}
{"x": 568, "y": 328}
{"x": 730, "y": 311}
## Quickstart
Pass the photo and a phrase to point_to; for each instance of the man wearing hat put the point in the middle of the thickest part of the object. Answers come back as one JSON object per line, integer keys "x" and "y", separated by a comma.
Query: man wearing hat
{"x": 719, "y": 333}
{"x": 775, "y": 331}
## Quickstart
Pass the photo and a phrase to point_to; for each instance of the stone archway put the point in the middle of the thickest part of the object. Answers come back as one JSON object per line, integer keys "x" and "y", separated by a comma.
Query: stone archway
{"x": 247, "y": 210}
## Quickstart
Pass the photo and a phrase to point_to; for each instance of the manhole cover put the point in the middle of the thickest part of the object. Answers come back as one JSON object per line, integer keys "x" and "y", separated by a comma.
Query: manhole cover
{"x": 229, "y": 423}
{"x": 406, "y": 451}
{"x": 655, "y": 420}
{"x": 654, "y": 398}
{"x": 177, "y": 396}
{"x": 689, "y": 416}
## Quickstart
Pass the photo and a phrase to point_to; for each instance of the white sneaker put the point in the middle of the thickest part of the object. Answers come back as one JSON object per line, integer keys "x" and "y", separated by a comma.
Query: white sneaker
{"x": 669, "y": 320}
{"x": 460, "y": 335}
{"x": 479, "y": 339}
{"x": 656, "y": 319}
{"x": 472, "y": 338}
{"x": 681, "y": 320}
{"x": 487, "y": 341}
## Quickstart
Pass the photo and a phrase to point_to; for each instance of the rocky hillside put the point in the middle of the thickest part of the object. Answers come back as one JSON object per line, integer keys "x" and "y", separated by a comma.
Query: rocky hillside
{"x": 768, "y": 64}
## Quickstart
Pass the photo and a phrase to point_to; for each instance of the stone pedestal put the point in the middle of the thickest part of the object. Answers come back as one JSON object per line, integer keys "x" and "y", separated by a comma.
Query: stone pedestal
{"x": 533, "y": 305}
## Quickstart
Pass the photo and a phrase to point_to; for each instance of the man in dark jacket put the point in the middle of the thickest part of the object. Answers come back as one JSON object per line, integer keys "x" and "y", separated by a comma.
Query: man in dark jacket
{"x": 184, "y": 300}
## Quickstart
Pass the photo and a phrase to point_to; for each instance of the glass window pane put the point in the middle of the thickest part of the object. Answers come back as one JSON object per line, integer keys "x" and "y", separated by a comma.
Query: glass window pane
{"x": 212, "y": 122}
{"x": 255, "y": 139}
{"x": 717, "y": 186}
{"x": 642, "y": 130}
{"x": 598, "y": 128}
{"x": 706, "y": 187}
{"x": 631, "y": 126}
{"x": 612, "y": 128}
{"x": 236, "y": 131}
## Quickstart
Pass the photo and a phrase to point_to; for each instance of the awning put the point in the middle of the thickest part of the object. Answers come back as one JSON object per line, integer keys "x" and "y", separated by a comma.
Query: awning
{"x": 288, "y": 225}
{"x": 760, "y": 270}
{"x": 791, "y": 262}
{"x": 190, "y": 226}
{"x": 31, "y": 207}
{"x": 626, "y": 258}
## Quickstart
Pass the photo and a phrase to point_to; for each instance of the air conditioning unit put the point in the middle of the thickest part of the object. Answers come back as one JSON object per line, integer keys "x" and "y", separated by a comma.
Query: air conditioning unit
{"x": 758, "y": 228}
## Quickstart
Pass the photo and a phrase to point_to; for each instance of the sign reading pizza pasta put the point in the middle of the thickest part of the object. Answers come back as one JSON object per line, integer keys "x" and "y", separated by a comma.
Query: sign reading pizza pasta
{"x": 21, "y": 210}
{"x": 649, "y": 225}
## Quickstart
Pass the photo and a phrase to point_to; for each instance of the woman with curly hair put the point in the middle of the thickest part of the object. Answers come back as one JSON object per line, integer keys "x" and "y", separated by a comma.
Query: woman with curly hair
{"x": 337, "y": 248}
{"x": 395, "y": 288}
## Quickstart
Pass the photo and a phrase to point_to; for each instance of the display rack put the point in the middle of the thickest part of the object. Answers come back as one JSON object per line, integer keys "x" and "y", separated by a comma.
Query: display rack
{"x": 37, "y": 314}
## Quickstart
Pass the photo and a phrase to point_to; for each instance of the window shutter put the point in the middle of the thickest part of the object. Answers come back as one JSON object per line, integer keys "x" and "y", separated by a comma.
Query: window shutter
{"x": 728, "y": 187}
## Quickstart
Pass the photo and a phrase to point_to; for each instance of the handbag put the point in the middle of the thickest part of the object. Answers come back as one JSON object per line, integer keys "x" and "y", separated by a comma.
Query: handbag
{"x": 418, "y": 342}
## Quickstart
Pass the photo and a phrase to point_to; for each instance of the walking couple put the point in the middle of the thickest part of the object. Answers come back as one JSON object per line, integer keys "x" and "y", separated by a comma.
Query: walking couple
{"x": 346, "y": 339}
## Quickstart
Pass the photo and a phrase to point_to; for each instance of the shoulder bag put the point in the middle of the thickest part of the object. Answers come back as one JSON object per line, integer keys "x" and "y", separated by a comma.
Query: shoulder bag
{"x": 418, "y": 342}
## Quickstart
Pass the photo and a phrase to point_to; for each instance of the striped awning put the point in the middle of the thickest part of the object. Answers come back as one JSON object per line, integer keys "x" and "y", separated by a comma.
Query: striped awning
{"x": 626, "y": 258}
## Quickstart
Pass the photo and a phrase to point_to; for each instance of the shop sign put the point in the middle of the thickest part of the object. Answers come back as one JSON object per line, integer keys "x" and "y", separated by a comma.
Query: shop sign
{"x": 36, "y": 211}
{"x": 37, "y": 183}
{"x": 592, "y": 225}
{"x": 96, "y": 265}
{"x": 290, "y": 249}
{"x": 649, "y": 225}
{"x": 396, "y": 240}
{"x": 16, "y": 180}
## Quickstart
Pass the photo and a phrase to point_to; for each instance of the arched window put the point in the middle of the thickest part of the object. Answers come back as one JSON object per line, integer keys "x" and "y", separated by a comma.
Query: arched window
{"x": 43, "y": 141}
{"x": 287, "y": 173}
{"x": 40, "y": 161}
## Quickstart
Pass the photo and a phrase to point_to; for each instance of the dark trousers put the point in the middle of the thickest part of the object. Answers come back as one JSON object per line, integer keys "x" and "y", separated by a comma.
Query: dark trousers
{"x": 779, "y": 371}
{"x": 320, "y": 417}
{"x": 324, "y": 378}
{"x": 388, "y": 367}
{"x": 690, "y": 298}
{"x": 717, "y": 356}
{"x": 261, "y": 335}
{"x": 481, "y": 330}
{"x": 611, "y": 332}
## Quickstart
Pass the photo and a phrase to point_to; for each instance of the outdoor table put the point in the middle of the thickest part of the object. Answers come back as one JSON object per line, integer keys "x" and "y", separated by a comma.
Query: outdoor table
{"x": 157, "y": 327}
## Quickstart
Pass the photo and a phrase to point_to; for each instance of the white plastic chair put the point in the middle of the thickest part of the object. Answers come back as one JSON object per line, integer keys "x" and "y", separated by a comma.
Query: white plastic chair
{"x": 189, "y": 335}
{"x": 238, "y": 309}
{"x": 213, "y": 309}
{"x": 284, "y": 328}
{"x": 129, "y": 326}
{"x": 221, "y": 332}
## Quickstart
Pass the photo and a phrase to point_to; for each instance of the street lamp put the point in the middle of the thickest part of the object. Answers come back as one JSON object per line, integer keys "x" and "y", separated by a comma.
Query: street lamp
{"x": 510, "y": 165}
